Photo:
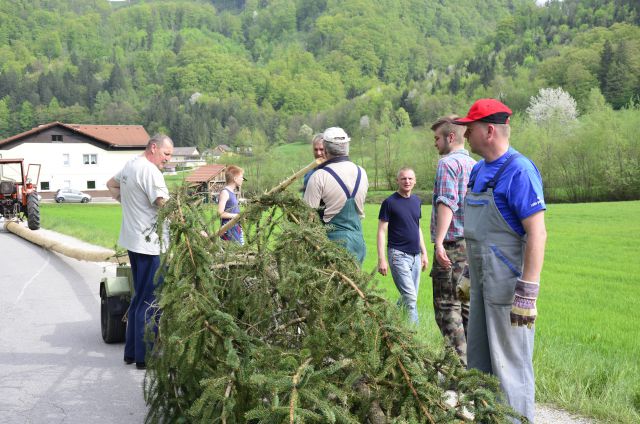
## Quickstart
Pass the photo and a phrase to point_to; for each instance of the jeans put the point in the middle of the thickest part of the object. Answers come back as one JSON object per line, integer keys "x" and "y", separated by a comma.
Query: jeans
{"x": 405, "y": 270}
{"x": 144, "y": 268}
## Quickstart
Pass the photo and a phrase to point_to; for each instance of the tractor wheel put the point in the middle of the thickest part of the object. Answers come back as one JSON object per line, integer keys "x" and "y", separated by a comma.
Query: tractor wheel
{"x": 113, "y": 329}
{"x": 33, "y": 211}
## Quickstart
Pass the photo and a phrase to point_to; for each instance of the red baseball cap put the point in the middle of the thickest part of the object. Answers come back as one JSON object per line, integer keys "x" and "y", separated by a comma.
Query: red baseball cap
{"x": 486, "y": 110}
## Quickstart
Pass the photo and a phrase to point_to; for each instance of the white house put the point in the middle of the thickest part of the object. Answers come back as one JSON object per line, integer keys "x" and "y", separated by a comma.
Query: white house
{"x": 218, "y": 151}
{"x": 82, "y": 157}
{"x": 186, "y": 157}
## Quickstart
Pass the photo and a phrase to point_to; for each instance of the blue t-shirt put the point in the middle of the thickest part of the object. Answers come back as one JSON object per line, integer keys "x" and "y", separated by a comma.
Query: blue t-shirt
{"x": 518, "y": 193}
{"x": 403, "y": 215}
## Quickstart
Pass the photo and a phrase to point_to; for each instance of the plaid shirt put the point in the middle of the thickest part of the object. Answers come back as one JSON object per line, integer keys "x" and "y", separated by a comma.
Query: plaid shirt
{"x": 450, "y": 188}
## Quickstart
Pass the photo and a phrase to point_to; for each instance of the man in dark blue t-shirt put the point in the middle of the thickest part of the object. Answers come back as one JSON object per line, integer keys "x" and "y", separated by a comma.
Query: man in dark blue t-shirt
{"x": 400, "y": 216}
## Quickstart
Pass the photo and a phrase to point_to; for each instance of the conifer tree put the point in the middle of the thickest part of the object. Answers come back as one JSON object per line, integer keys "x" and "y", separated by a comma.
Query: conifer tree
{"x": 287, "y": 328}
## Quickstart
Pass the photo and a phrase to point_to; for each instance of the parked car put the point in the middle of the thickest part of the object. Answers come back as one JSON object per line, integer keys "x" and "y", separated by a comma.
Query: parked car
{"x": 71, "y": 195}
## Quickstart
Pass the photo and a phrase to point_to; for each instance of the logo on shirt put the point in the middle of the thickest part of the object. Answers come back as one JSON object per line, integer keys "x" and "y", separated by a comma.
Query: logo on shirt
{"x": 536, "y": 203}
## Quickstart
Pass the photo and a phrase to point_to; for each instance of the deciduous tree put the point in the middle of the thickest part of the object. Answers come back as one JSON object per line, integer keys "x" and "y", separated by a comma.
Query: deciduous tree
{"x": 552, "y": 105}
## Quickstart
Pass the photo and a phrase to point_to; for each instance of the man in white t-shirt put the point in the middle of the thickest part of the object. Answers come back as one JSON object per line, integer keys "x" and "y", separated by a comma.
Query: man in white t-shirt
{"x": 141, "y": 189}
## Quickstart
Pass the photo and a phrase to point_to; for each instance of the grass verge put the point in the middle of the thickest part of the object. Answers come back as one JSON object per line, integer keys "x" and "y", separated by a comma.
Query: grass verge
{"x": 96, "y": 223}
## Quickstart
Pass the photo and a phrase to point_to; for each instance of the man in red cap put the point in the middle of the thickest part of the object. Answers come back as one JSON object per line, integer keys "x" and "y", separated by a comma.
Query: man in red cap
{"x": 505, "y": 234}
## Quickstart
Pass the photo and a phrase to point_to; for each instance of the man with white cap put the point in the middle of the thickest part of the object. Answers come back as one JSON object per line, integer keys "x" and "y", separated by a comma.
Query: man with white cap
{"x": 341, "y": 187}
{"x": 505, "y": 234}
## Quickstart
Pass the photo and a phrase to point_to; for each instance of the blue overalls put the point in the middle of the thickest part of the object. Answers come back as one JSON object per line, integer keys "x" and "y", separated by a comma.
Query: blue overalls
{"x": 495, "y": 253}
{"x": 346, "y": 226}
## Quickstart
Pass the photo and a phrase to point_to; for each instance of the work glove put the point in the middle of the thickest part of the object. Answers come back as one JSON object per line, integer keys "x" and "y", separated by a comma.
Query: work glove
{"x": 463, "y": 286}
{"x": 523, "y": 310}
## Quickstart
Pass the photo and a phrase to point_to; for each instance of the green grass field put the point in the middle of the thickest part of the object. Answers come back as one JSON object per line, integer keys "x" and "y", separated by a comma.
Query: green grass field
{"x": 587, "y": 342}
{"x": 96, "y": 223}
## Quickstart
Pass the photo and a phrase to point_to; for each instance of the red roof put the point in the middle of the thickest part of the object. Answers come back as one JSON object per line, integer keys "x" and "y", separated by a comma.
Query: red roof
{"x": 205, "y": 173}
{"x": 113, "y": 135}
{"x": 117, "y": 135}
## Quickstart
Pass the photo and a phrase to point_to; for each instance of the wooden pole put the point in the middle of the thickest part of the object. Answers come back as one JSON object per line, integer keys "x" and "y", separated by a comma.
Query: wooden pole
{"x": 280, "y": 187}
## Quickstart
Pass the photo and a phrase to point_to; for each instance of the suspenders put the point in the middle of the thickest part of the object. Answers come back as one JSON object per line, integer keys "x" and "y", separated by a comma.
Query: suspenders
{"x": 344, "y": 187}
{"x": 493, "y": 181}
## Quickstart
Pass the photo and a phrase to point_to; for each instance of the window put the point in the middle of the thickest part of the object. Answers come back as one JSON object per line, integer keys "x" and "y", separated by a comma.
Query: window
{"x": 65, "y": 159}
{"x": 44, "y": 185}
{"x": 56, "y": 138}
{"x": 91, "y": 184}
{"x": 90, "y": 159}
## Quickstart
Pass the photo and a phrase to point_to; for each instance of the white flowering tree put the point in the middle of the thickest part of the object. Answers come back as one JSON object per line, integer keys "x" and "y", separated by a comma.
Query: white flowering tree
{"x": 305, "y": 131}
{"x": 552, "y": 104}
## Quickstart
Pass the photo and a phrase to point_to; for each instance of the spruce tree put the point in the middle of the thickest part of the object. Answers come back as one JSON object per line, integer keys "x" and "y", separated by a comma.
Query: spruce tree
{"x": 606, "y": 57}
{"x": 287, "y": 328}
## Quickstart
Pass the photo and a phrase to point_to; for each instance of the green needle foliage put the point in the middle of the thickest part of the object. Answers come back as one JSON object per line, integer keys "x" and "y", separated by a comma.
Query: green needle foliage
{"x": 288, "y": 329}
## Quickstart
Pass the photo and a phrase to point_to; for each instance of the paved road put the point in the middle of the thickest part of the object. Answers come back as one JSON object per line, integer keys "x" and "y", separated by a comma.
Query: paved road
{"x": 54, "y": 366}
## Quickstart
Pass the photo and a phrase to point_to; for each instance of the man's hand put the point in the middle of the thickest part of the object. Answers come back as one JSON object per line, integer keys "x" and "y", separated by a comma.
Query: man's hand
{"x": 424, "y": 260}
{"x": 381, "y": 236}
{"x": 383, "y": 268}
{"x": 441, "y": 256}
{"x": 523, "y": 310}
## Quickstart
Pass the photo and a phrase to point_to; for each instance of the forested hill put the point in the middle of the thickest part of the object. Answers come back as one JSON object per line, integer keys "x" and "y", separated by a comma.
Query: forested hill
{"x": 270, "y": 71}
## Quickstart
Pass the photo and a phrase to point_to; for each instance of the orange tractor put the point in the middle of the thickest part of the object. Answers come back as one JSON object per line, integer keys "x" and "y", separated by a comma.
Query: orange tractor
{"x": 18, "y": 196}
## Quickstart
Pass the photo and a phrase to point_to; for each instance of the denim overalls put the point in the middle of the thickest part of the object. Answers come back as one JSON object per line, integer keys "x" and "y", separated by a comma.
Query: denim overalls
{"x": 346, "y": 226}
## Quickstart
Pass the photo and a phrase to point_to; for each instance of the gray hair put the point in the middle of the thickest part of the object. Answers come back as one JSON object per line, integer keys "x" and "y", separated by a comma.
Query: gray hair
{"x": 336, "y": 149}
{"x": 159, "y": 140}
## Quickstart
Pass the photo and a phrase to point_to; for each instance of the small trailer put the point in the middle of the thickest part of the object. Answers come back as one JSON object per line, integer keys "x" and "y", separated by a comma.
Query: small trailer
{"x": 115, "y": 296}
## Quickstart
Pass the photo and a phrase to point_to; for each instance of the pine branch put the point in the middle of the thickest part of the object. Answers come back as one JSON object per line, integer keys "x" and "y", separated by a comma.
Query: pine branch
{"x": 277, "y": 189}
{"x": 290, "y": 305}
{"x": 294, "y": 393}
{"x": 186, "y": 238}
{"x": 389, "y": 344}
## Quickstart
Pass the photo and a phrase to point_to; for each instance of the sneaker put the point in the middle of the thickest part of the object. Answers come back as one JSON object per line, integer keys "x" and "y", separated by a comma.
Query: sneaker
{"x": 141, "y": 365}
{"x": 128, "y": 360}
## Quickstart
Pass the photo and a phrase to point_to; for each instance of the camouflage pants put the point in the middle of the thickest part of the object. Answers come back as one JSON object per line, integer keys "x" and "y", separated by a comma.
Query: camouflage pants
{"x": 451, "y": 314}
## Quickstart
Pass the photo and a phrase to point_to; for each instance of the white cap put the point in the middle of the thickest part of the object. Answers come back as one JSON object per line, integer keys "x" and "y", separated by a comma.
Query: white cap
{"x": 335, "y": 135}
